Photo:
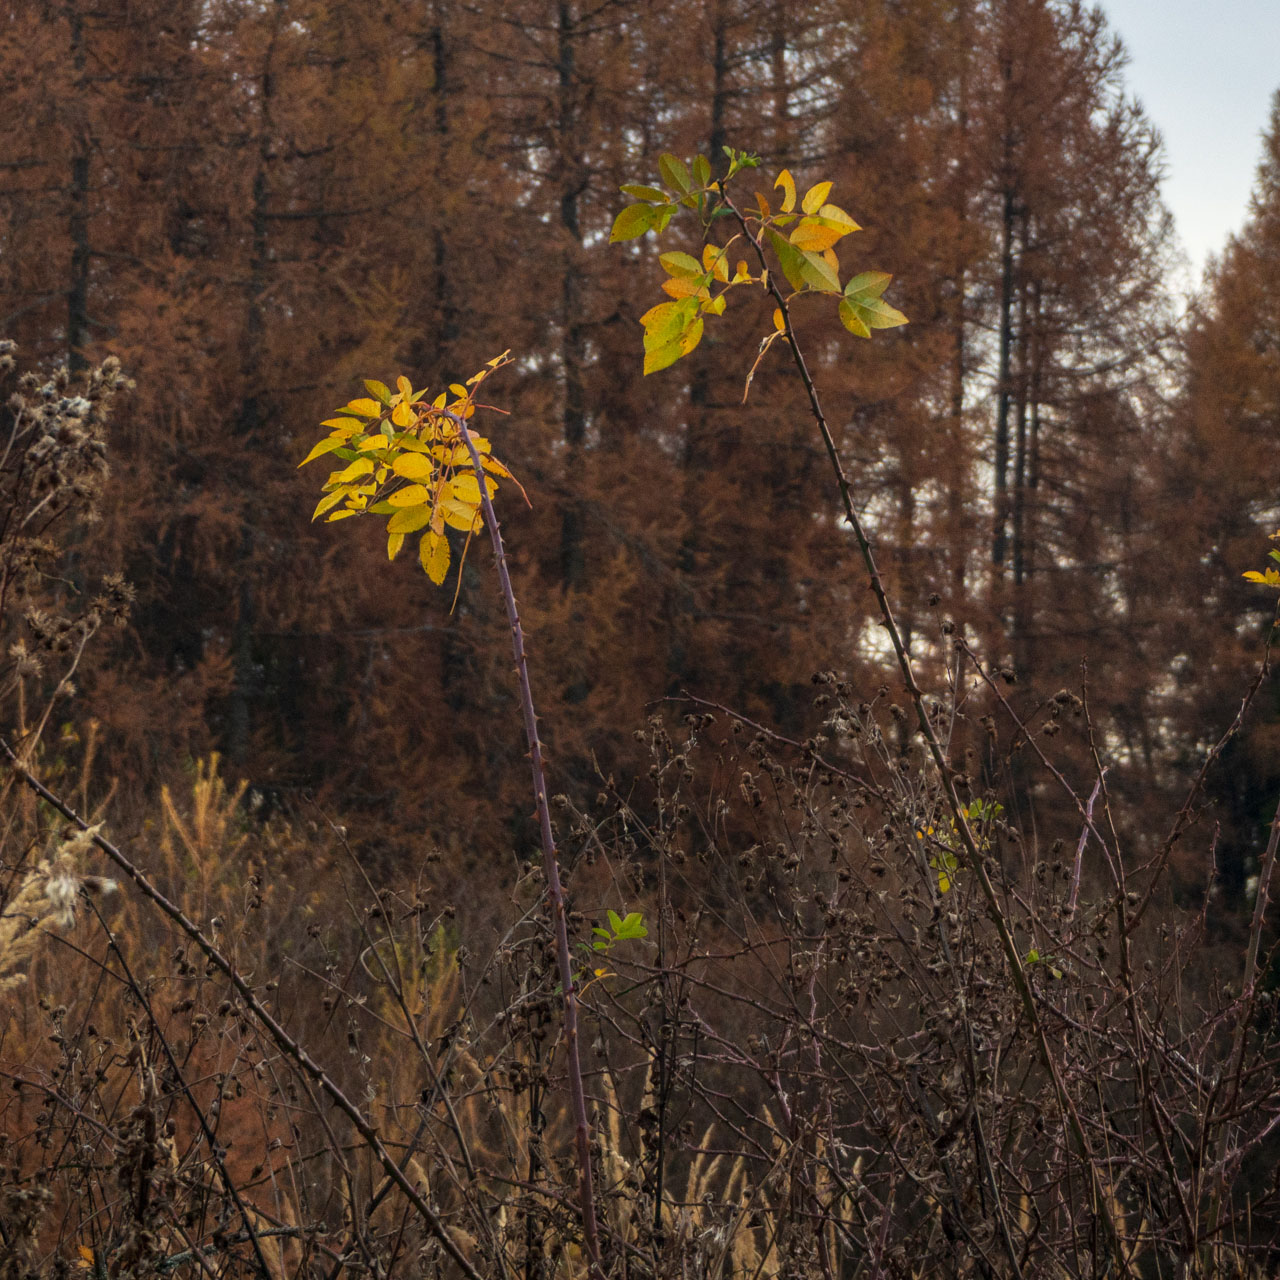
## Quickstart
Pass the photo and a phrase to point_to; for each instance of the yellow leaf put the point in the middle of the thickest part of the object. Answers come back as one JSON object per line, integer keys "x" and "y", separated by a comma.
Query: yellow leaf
{"x": 404, "y": 386}
{"x": 413, "y": 466}
{"x": 340, "y": 515}
{"x": 439, "y": 401}
{"x": 394, "y": 543}
{"x": 713, "y": 260}
{"x": 433, "y": 552}
{"x": 402, "y": 414}
{"x": 410, "y": 496}
{"x": 410, "y": 519}
{"x": 814, "y": 197}
{"x": 347, "y": 426}
{"x": 466, "y": 489}
{"x": 86, "y": 1255}
{"x": 458, "y": 390}
{"x": 788, "y": 185}
{"x": 327, "y": 445}
{"x": 373, "y": 442}
{"x": 779, "y": 322}
{"x": 329, "y": 500}
{"x": 740, "y": 272}
{"x": 461, "y": 515}
{"x": 833, "y": 213}
{"x": 813, "y": 235}
{"x": 365, "y": 408}
{"x": 360, "y": 467}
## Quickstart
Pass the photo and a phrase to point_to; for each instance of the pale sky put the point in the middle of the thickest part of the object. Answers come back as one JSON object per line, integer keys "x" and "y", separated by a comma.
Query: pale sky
{"x": 1205, "y": 71}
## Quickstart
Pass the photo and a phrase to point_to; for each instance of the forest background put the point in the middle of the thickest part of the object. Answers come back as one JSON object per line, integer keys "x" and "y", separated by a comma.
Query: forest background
{"x": 1064, "y": 465}
{"x": 250, "y": 205}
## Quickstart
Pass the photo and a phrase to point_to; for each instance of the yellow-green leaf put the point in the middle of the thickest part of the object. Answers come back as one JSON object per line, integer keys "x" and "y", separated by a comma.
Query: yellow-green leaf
{"x": 701, "y": 170}
{"x": 683, "y": 265}
{"x": 852, "y": 320}
{"x": 410, "y": 519}
{"x": 632, "y": 222}
{"x": 788, "y": 185}
{"x": 365, "y": 408}
{"x": 394, "y": 542}
{"x": 340, "y": 515}
{"x": 814, "y": 197}
{"x": 817, "y": 272}
{"x": 379, "y": 389}
{"x": 870, "y": 284}
{"x": 348, "y": 426}
{"x": 404, "y": 387}
{"x": 433, "y": 553}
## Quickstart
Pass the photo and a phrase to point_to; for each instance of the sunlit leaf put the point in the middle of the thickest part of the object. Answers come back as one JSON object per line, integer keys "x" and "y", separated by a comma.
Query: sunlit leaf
{"x": 329, "y": 500}
{"x": 410, "y": 496}
{"x": 433, "y": 554}
{"x": 413, "y": 466}
{"x": 394, "y": 542}
{"x": 814, "y": 197}
{"x": 327, "y": 445}
{"x": 360, "y": 467}
{"x": 402, "y": 415}
{"x": 835, "y": 215}
{"x": 410, "y": 519}
{"x": 379, "y": 389}
{"x": 365, "y": 408}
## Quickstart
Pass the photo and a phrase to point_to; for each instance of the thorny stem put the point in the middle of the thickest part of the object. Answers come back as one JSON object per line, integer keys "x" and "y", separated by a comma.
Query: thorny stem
{"x": 284, "y": 1041}
{"x": 550, "y": 866}
{"x": 946, "y": 774}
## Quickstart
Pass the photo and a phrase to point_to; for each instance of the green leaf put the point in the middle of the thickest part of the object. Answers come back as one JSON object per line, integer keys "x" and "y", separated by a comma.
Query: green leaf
{"x": 789, "y": 258}
{"x": 615, "y": 921}
{"x": 701, "y": 170}
{"x": 674, "y": 174}
{"x": 656, "y": 194}
{"x": 379, "y": 389}
{"x": 632, "y": 222}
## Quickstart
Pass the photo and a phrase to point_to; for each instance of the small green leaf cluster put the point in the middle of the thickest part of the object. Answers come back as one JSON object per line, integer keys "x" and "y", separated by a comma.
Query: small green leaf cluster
{"x": 407, "y": 460}
{"x": 945, "y": 860}
{"x": 801, "y": 241}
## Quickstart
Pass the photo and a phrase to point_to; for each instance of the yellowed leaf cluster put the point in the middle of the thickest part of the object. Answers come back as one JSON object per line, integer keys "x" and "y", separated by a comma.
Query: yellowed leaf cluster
{"x": 407, "y": 459}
